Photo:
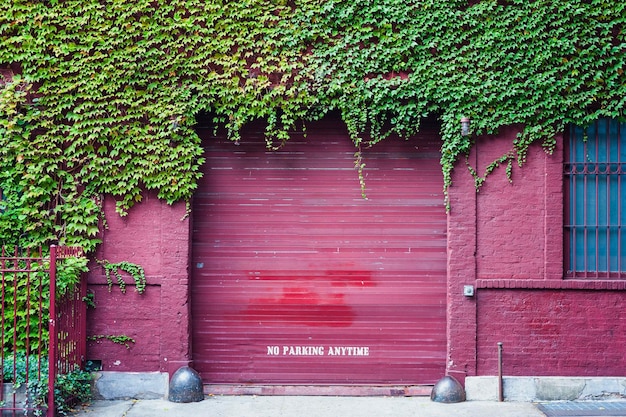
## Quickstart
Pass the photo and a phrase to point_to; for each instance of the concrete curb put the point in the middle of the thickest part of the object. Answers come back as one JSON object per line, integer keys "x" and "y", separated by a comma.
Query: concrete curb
{"x": 309, "y": 406}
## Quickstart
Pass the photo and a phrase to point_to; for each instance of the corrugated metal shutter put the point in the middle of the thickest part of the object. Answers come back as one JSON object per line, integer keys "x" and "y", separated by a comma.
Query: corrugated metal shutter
{"x": 299, "y": 280}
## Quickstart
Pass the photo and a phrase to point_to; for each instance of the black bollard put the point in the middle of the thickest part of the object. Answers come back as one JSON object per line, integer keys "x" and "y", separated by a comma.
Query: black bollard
{"x": 185, "y": 386}
{"x": 448, "y": 390}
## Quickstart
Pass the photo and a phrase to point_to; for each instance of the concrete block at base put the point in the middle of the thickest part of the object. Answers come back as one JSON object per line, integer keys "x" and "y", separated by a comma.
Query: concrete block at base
{"x": 527, "y": 389}
{"x": 520, "y": 389}
{"x": 485, "y": 388}
{"x": 137, "y": 385}
{"x": 559, "y": 389}
{"x": 481, "y": 388}
{"x": 604, "y": 389}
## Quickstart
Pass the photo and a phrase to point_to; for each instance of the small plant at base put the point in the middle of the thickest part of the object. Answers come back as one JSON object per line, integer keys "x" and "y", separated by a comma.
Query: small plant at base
{"x": 70, "y": 389}
{"x": 20, "y": 368}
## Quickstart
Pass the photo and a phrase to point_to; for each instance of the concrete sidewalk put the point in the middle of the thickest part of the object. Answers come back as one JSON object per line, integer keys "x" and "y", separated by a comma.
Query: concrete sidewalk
{"x": 308, "y": 406}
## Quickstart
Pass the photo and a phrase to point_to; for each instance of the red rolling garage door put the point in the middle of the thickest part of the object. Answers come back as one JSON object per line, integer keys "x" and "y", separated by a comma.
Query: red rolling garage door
{"x": 297, "y": 279}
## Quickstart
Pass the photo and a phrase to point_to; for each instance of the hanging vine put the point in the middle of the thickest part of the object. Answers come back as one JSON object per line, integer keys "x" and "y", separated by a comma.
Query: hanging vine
{"x": 117, "y": 339}
{"x": 100, "y": 96}
{"x": 115, "y": 269}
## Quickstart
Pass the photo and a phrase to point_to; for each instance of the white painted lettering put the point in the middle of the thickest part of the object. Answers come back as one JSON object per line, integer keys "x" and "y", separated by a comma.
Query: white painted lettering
{"x": 348, "y": 351}
{"x": 301, "y": 351}
{"x": 318, "y": 351}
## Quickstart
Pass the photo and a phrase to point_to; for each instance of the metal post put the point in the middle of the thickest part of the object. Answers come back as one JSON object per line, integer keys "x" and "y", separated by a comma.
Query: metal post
{"x": 82, "y": 323}
{"x": 500, "y": 384}
{"x": 52, "y": 328}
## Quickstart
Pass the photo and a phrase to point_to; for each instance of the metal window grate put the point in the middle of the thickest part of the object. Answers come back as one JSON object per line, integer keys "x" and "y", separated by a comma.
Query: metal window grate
{"x": 594, "y": 189}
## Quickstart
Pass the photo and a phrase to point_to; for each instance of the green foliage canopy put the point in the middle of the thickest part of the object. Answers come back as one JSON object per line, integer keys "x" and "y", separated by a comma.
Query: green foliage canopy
{"x": 100, "y": 96}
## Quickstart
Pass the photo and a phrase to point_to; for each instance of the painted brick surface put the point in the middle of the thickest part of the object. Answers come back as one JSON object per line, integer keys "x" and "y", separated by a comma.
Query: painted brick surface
{"x": 519, "y": 222}
{"x": 129, "y": 314}
{"x": 156, "y": 236}
{"x": 507, "y": 232}
{"x": 549, "y": 326}
{"x": 552, "y": 332}
{"x": 461, "y": 310}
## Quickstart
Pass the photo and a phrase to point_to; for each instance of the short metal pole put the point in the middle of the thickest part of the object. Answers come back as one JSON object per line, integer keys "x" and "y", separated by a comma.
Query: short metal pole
{"x": 500, "y": 384}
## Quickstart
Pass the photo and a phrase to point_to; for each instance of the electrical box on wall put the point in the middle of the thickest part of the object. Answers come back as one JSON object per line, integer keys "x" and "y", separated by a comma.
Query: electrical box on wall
{"x": 468, "y": 290}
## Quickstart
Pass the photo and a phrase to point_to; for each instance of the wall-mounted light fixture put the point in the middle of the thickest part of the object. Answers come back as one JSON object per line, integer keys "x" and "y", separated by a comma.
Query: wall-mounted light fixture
{"x": 465, "y": 126}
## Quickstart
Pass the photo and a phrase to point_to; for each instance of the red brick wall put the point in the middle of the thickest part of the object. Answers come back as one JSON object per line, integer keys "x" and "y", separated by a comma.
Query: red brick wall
{"x": 552, "y": 333}
{"x": 519, "y": 222}
{"x": 461, "y": 310}
{"x": 549, "y": 326}
{"x": 155, "y": 236}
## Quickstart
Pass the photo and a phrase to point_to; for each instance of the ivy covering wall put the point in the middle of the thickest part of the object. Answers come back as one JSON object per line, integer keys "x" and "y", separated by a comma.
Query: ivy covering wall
{"x": 100, "y": 96}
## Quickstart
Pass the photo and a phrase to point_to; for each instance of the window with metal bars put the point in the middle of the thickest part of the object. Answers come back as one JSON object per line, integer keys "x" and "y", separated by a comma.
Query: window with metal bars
{"x": 595, "y": 211}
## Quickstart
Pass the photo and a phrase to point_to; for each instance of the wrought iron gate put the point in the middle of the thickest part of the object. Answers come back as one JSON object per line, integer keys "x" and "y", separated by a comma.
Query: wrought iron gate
{"x": 53, "y": 329}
